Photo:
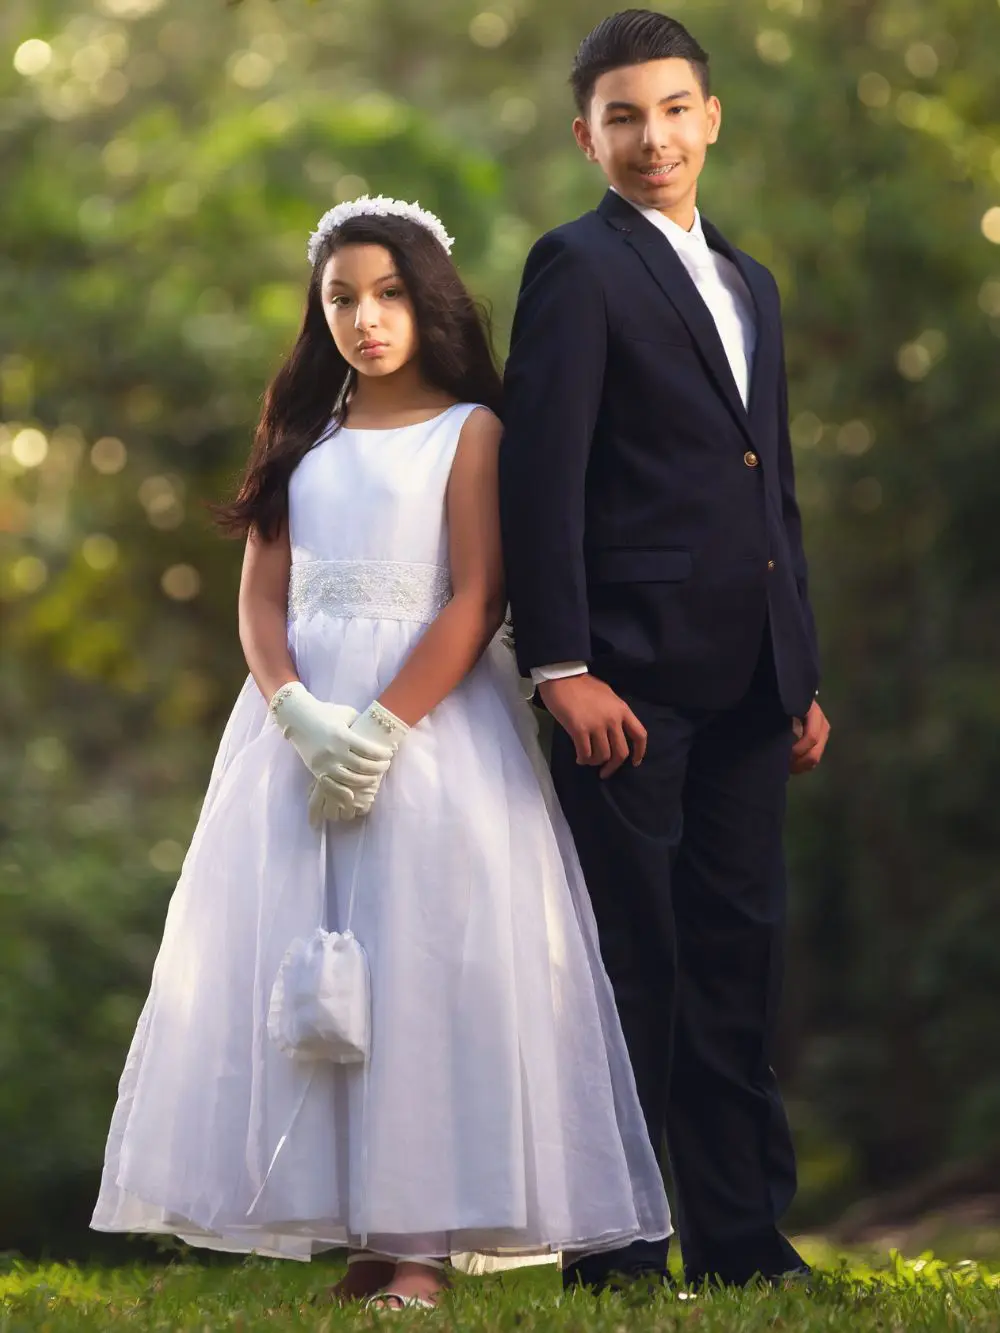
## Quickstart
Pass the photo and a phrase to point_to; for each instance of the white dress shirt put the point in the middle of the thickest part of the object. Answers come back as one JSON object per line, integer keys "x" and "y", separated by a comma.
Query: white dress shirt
{"x": 720, "y": 285}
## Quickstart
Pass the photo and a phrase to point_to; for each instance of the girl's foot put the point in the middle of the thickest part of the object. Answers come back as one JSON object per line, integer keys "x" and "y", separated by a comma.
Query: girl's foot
{"x": 414, "y": 1284}
{"x": 366, "y": 1274}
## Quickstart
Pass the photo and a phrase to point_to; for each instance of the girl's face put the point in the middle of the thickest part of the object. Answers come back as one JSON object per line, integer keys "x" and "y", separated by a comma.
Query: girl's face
{"x": 369, "y": 310}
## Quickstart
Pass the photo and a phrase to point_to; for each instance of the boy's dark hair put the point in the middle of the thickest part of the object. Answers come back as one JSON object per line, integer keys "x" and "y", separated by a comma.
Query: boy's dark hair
{"x": 633, "y": 37}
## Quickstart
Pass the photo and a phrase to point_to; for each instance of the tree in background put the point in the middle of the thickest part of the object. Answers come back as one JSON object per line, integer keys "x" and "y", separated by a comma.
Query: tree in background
{"x": 163, "y": 165}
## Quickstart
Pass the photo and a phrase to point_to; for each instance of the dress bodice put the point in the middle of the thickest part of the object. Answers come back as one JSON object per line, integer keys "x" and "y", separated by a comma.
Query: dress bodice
{"x": 367, "y": 521}
{"x": 376, "y": 494}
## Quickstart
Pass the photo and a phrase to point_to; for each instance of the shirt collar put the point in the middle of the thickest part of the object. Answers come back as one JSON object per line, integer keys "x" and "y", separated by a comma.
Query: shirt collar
{"x": 689, "y": 244}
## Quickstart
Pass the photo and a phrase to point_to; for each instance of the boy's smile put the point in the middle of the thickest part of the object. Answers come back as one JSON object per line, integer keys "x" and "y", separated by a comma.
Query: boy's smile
{"x": 649, "y": 127}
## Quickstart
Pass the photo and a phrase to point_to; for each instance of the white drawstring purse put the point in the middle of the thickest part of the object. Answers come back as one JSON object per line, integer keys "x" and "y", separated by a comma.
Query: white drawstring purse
{"x": 321, "y": 999}
{"x": 320, "y": 1007}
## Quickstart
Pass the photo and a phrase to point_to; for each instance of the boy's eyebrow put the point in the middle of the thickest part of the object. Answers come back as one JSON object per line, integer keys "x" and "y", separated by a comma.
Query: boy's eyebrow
{"x": 630, "y": 106}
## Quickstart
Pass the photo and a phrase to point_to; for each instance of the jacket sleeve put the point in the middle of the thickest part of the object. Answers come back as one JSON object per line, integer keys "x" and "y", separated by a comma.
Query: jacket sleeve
{"x": 790, "y": 509}
{"x": 552, "y": 395}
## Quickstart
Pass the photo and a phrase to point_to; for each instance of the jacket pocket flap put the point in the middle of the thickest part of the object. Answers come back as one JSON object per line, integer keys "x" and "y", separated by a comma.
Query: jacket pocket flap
{"x": 638, "y": 565}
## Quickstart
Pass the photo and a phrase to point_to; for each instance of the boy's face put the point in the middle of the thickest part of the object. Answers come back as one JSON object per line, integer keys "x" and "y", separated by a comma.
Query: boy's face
{"x": 649, "y": 127}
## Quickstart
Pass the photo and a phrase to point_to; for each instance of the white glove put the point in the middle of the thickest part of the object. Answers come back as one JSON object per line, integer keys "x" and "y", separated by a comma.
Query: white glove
{"x": 326, "y": 801}
{"x": 376, "y": 727}
{"x": 351, "y": 766}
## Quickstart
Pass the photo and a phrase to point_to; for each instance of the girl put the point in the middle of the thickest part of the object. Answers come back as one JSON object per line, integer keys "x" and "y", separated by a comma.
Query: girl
{"x": 498, "y": 1108}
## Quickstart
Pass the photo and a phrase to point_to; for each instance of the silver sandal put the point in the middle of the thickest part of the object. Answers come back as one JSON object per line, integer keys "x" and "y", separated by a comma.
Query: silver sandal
{"x": 400, "y": 1301}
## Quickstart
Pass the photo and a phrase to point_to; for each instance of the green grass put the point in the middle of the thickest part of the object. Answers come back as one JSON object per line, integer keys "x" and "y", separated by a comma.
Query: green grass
{"x": 896, "y": 1296}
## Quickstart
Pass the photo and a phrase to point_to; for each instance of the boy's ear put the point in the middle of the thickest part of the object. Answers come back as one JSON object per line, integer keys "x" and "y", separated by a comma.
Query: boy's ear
{"x": 583, "y": 137}
{"x": 714, "y": 118}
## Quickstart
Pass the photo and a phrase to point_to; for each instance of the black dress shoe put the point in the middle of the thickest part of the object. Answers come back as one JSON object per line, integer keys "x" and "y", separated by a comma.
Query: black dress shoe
{"x": 795, "y": 1279}
{"x": 639, "y": 1283}
{"x": 617, "y": 1270}
{"x": 792, "y": 1278}
{"x": 766, "y": 1256}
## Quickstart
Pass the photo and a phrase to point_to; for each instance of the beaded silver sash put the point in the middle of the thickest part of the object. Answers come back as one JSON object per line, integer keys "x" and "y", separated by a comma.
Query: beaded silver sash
{"x": 372, "y": 589}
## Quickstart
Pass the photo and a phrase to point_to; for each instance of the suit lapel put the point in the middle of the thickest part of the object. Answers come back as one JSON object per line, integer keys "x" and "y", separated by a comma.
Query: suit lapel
{"x": 764, "y": 370}
{"x": 670, "y": 275}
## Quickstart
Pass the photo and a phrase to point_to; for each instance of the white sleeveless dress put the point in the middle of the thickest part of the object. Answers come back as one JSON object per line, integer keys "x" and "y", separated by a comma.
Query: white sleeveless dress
{"x": 498, "y": 1110}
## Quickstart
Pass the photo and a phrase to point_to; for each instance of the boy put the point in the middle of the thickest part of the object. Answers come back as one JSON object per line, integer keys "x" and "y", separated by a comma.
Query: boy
{"x": 659, "y": 593}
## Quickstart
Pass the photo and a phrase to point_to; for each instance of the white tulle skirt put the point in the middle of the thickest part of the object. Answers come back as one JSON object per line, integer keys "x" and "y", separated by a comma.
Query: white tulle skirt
{"x": 498, "y": 1110}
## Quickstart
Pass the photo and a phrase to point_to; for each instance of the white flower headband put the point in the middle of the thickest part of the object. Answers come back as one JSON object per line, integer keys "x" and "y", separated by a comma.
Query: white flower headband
{"x": 381, "y": 207}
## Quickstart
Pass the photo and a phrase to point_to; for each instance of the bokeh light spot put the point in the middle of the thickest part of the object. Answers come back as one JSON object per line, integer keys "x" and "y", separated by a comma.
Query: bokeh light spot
{"x": 29, "y": 573}
{"x": 166, "y": 856}
{"x": 112, "y": 88}
{"x": 489, "y": 30}
{"x": 99, "y": 551}
{"x": 108, "y": 455}
{"x": 806, "y": 430}
{"x": 874, "y": 89}
{"x": 349, "y": 187}
{"x": 914, "y": 361}
{"x": 29, "y": 447}
{"x": 120, "y": 158}
{"x": 250, "y": 69}
{"x": 989, "y": 298}
{"x": 991, "y": 225}
{"x": 913, "y": 110}
{"x": 935, "y": 342}
{"x": 855, "y": 438}
{"x": 922, "y": 60}
{"x": 161, "y": 499}
{"x": 32, "y": 57}
{"x": 518, "y": 114}
{"x": 129, "y": 9}
{"x": 181, "y": 583}
{"x": 90, "y": 63}
{"x": 773, "y": 46}
{"x": 47, "y": 754}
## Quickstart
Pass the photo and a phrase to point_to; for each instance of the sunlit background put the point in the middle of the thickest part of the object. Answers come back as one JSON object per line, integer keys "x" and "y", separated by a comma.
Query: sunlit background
{"x": 161, "y": 165}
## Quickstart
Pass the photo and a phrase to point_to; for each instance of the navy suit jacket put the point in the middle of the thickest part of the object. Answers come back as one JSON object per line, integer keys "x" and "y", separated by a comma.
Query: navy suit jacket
{"x": 649, "y": 520}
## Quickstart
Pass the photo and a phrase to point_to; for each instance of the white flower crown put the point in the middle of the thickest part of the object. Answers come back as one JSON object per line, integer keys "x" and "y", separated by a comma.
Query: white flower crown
{"x": 380, "y": 206}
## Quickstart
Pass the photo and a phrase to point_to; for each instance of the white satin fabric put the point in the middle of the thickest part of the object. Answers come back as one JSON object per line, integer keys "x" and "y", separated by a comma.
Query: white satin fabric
{"x": 498, "y": 1109}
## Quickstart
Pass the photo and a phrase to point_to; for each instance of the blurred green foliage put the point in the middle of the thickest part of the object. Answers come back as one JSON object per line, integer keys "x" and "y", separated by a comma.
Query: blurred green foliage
{"x": 162, "y": 166}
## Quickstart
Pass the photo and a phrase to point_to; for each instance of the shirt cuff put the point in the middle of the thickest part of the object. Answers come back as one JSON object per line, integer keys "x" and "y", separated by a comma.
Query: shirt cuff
{"x": 558, "y": 671}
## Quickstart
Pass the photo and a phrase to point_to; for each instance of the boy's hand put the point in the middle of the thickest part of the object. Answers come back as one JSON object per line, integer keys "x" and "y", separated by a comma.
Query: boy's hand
{"x": 812, "y": 732}
{"x": 599, "y": 723}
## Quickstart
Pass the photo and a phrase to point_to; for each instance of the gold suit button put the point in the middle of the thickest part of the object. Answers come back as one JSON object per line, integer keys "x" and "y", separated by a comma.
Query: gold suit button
{"x": 750, "y": 458}
{"x": 770, "y": 564}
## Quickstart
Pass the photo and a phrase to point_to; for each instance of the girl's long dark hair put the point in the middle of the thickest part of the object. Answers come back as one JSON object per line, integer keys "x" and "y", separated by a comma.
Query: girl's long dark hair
{"x": 312, "y": 388}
